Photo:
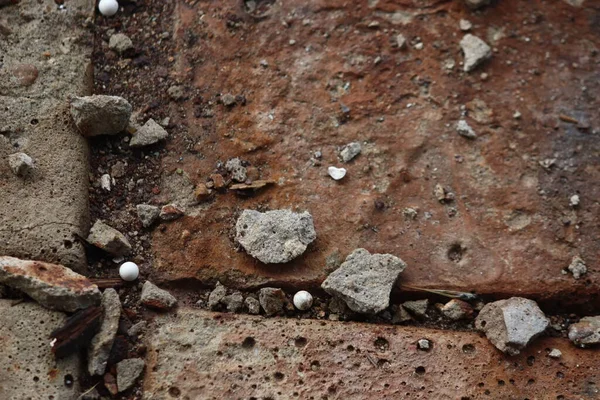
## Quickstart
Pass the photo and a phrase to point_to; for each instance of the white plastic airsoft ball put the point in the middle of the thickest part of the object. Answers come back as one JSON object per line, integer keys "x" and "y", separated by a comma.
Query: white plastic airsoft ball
{"x": 303, "y": 300}
{"x": 108, "y": 8}
{"x": 129, "y": 271}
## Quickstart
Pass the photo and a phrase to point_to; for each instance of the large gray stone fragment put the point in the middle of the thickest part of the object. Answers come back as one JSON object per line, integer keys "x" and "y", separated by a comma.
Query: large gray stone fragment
{"x": 275, "y": 236}
{"x": 476, "y": 51}
{"x": 100, "y": 114}
{"x": 120, "y": 42}
{"x": 28, "y": 369}
{"x": 147, "y": 134}
{"x": 350, "y": 151}
{"x": 101, "y": 344}
{"x": 21, "y": 164}
{"x": 272, "y": 300}
{"x": 154, "y": 297}
{"x": 511, "y": 324}
{"x": 147, "y": 214}
{"x": 586, "y": 331}
{"x": 364, "y": 281}
{"x": 215, "y": 297}
{"x": 109, "y": 239}
{"x": 128, "y": 371}
{"x": 51, "y": 285}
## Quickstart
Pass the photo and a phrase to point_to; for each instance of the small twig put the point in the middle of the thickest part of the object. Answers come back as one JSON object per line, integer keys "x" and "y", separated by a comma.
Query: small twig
{"x": 466, "y": 296}
{"x": 87, "y": 391}
{"x": 16, "y": 302}
{"x": 566, "y": 118}
{"x": 371, "y": 360}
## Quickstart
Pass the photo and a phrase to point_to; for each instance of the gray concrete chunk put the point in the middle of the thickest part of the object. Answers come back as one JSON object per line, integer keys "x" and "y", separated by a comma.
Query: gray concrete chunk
{"x": 272, "y": 300}
{"x": 128, "y": 371}
{"x": 51, "y": 285}
{"x": 275, "y": 236}
{"x": 511, "y": 324}
{"x": 350, "y": 151}
{"x": 101, "y": 344}
{"x": 476, "y": 51}
{"x": 109, "y": 239}
{"x": 21, "y": 164}
{"x": 147, "y": 134}
{"x": 28, "y": 367}
{"x": 364, "y": 281}
{"x": 154, "y": 297}
{"x": 120, "y": 43}
{"x": 465, "y": 130}
{"x": 100, "y": 115}
{"x": 586, "y": 331}
{"x": 147, "y": 214}
{"x": 215, "y": 297}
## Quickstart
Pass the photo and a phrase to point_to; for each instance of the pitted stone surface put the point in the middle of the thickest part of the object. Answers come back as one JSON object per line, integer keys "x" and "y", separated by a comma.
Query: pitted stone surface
{"x": 28, "y": 369}
{"x": 275, "y": 236}
{"x": 205, "y": 355}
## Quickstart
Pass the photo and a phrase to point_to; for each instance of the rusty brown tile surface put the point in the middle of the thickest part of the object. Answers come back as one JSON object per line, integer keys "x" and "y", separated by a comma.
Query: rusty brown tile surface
{"x": 510, "y": 229}
{"x": 203, "y": 355}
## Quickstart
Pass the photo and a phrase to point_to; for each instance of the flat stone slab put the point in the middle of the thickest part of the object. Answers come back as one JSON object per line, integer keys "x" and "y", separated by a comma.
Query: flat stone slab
{"x": 43, "y": 214}
{"x": 28, "y": 369}
{"x": 504, "y": 227}
{"x": 200, "y": 354}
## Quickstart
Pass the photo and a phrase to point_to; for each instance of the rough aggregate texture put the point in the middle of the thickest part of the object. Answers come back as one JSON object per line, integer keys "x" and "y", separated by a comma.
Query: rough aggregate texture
{"x": 100, "y": 114}
{"x": 276, "y": 236}
{"x": 101, "y": 344}
{"x": 364, "y": 281}
{"x": 511, "y": 324}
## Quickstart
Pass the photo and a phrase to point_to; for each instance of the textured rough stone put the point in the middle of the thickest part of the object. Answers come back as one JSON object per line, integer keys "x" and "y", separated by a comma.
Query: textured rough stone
{"x": 51, "y": 285}
{"x": 272, "y": 300}
{"x": 171, "y": 212}
{"x": 120, "y": 43}
{"x": 215, "y": 297}
{"x": 147, "y": 134}
{"x": 21, "y": 164}
{"x": 457, "y": 309}
{"x": 28, "y": 369}
{"x": 128, "y": 371}
{"x": 465, "y": 130}
{"x": 25, "y": 74}
{"x": 401, "y": 315}
{"x": 350, "y": 151}
{"x": 253, "y": 305}
{"x": 476, "y": 51}
{"x": 511, "y": 324}
{"x": 109, "y": 239}
{"x": 276, "y": 236}
{"x": 203, "y": 355}
{"x": 147, "y": 214}
{"x": 154, "y": 297}
{"x": 577, "y": 267}
{"x": 418, "y": 308}
{"x": 586, "y": 331}
{"x": 100, "y": 115}
{"x": 102, "y": 343}
{"x": 234, "y": 302}
{"x": 236, "y": 168}
{"x": 364, "y": 281}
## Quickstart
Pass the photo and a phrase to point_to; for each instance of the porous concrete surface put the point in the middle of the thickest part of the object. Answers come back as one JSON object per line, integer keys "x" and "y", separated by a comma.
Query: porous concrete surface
{"x": 28, "y": 369}
{"x": 203, "y": 355}
{"x": 43, "y": 214}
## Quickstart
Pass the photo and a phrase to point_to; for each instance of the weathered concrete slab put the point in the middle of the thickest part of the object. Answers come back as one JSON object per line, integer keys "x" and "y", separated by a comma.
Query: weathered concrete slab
{"x": 27, "y": 366}
{"x": 43, "y": 213}
{"x": 202, "y": 355}
{"x": 332, "y": 75}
